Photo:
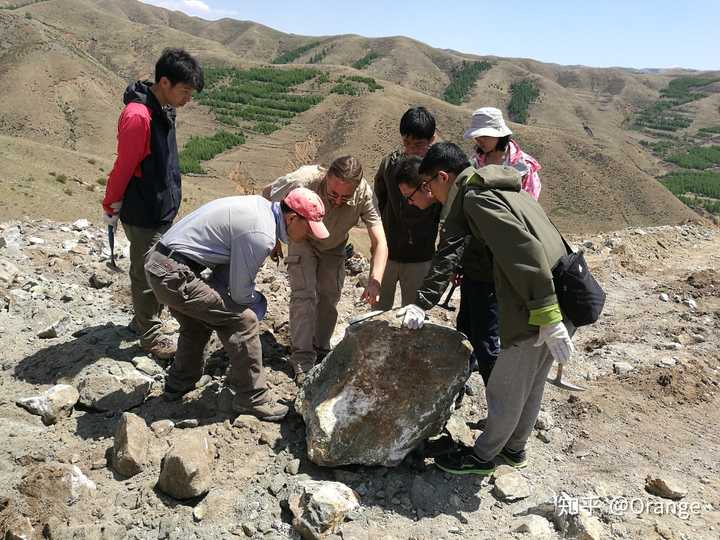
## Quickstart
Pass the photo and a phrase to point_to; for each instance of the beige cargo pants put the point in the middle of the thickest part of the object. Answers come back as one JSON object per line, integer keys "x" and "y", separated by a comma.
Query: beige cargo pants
{"x": 316, "y": 281}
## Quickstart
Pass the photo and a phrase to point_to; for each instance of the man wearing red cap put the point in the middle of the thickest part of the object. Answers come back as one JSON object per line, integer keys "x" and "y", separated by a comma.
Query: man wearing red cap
{"x": 316, "y": 268}
{"x": 231, "y": 236}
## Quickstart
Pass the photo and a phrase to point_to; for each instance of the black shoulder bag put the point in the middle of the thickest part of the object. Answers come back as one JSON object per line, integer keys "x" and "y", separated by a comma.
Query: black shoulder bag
{"x": 580, "y": 296}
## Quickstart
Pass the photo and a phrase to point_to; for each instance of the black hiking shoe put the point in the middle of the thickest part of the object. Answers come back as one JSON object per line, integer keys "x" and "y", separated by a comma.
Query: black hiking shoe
{"x": 516, "y": 459}
{"x": 464, "y": 462}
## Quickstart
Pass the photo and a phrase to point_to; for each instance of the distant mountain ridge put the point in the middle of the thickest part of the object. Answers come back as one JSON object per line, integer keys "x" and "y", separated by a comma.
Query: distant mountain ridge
{"x": 65, "y": 64}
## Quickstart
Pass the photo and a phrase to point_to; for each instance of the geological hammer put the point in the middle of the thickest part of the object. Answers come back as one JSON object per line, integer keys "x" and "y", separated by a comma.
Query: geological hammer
{"x": 111, "y": 241}
{"x": 558, "y": 381}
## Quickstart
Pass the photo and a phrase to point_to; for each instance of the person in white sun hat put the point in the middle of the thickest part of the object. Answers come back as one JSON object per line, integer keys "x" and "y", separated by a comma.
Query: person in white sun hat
{"x": 495, "y": 147}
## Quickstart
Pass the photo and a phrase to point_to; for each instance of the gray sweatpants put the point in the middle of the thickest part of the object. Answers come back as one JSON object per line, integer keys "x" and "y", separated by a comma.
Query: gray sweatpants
{"x": 514, "y": 393}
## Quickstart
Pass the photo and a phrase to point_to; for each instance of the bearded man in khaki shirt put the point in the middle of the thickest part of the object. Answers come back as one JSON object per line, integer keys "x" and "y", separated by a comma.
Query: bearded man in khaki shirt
{"x": 316, "y": 268}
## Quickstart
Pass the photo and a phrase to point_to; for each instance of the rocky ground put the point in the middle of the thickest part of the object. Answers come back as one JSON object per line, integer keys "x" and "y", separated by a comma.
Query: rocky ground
{"x": 638, "y": 451}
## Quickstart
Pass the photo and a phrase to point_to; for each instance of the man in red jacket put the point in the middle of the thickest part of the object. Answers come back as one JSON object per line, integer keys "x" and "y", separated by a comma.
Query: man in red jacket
{"x": 143, "y": 190}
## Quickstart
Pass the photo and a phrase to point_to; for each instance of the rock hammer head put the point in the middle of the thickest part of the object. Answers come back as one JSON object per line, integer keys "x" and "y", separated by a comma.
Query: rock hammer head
{"x": 560, "y": 383}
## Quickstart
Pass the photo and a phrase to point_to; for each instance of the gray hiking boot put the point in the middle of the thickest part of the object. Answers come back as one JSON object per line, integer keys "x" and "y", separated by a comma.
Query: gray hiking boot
{"x": 269, "y": 411}
{"x": 173, "y": 393}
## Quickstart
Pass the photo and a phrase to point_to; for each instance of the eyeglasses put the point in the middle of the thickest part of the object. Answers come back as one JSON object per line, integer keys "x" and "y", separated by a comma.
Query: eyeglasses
{"x": 332, "y": 195}
{"x": 409, "y": 197}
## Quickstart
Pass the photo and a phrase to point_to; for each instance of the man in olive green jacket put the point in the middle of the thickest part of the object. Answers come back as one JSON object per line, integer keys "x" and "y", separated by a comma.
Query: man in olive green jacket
{"x": 488, "y": 204}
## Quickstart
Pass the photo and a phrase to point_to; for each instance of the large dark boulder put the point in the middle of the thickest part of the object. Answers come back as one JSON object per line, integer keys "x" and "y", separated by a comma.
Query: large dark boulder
{"x": 382, "y": 391}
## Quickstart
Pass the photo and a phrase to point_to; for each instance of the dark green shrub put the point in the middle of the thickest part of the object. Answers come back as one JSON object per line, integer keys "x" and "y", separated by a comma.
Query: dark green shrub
{"x": 523, "y": 93}
{"x": 366, "y": 60}
{"x": 700, "y": 157}
{"x": 462, "y": 81}
{"x": 265, "y": 128}
{"x": 294, "y": 54}
{"x": 318, "y": 57}
{"x": 344, "y": 88}
{"x": 199, "y": 149}
{"x": 371, "y": 83}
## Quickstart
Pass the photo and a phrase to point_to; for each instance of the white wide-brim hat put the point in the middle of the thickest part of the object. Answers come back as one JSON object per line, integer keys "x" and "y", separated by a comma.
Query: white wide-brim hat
{"x": 488, "y": 122}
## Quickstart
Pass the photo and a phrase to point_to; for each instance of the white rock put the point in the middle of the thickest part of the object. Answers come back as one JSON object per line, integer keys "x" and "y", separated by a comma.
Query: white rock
{"x": 57, "y": 402}
{"x": 664, "y": 297}
{"x": 583, "y": 526}
{"x": 110, "y": 386}
{"x": 55, "y": 329}
{"x": 668, "y": 362}
{"x": 81, "y": 225}
{"x": 511, "y": 487}
{"x": 534, "y": 527}
{"x": 689, "y": 302}
{"x": 199, "y": 512}
{"x": 621, "y": 368}
{"x": 147, "y": 365}
{"x": 8, "y": 273}
{"x": 544, "y": 421}
{"x": 501, "y": 470}
{"x": 459, "y": 430}
{"x": 320, "y": 507}
{"x": 35, "y": 241}
{"x": 162, "y": 427}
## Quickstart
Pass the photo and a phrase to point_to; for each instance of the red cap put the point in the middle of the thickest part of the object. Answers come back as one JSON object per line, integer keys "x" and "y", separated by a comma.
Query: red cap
{"x": 308, "y": 204}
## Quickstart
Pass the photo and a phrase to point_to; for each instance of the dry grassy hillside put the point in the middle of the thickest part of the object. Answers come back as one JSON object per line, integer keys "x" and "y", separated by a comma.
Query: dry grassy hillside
{"x": 65, "y": 64}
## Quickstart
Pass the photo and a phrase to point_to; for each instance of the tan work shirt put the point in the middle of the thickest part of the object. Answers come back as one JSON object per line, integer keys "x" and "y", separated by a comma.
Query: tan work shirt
{"x": 338, "y": 220}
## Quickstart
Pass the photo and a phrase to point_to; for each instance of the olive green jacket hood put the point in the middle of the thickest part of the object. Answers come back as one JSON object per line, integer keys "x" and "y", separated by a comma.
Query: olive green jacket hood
{"x": 488, "y": 205}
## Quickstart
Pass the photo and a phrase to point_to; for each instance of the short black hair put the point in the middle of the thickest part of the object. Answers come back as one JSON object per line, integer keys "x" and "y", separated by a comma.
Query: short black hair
{"x": 501, "y": 146}
{"x": 417, "y": 123}
{"x": 179, "y": 67}
{"x": 407, "y": 171}
{"x": 446, "y": 156}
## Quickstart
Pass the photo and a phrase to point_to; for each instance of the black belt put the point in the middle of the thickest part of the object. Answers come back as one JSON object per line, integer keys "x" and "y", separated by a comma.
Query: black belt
{"x": 179, "y": 257}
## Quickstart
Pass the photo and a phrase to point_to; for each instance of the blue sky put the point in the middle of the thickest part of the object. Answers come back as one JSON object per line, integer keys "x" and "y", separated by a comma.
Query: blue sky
{"x": 629, "y": 33}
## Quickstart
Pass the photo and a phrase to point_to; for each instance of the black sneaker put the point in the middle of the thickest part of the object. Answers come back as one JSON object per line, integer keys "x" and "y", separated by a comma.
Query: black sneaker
{"x": 464, "y": 462}
{"x": 516, "y": 459}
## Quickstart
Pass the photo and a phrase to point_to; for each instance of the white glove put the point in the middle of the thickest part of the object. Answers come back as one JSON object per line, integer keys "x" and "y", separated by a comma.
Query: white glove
{"x": 557, "y": 339}
{"x": 112, "y": 219}
{"x": 414, "y": 317}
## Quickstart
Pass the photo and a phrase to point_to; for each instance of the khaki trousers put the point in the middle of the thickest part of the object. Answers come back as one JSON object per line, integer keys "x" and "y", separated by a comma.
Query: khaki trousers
{"x": 200, "y": 309}
{"x": 147, "y": 308}
{"x": 410, "y": 276}
{"x": 316, "y": 281}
